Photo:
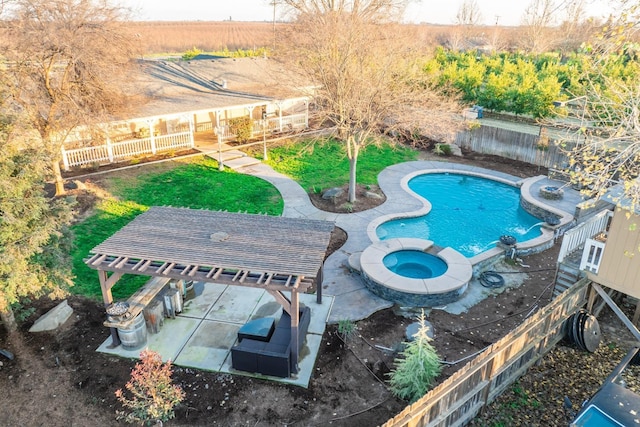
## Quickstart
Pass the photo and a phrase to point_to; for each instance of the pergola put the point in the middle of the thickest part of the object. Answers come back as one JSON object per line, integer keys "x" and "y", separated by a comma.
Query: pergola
{"x": 273, "y": 253}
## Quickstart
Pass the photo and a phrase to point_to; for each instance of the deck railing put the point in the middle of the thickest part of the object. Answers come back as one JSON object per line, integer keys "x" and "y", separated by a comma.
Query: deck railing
{"x": 112, "y": 152}
{"x": 577, "y": 236}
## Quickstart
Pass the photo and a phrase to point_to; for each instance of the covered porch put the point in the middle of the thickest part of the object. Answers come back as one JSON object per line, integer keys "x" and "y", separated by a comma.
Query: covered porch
{"x": 259, "y": 255}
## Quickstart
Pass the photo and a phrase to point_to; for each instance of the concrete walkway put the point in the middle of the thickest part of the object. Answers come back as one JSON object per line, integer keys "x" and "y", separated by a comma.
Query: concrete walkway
{"x": 353, "y": 301}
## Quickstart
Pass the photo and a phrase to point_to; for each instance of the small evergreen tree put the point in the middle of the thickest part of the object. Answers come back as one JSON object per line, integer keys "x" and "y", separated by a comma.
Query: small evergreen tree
{"x": 417, "y": 368}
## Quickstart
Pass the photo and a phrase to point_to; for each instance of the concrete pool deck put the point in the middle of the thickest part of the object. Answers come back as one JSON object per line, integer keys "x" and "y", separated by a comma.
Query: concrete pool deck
{"x": 353, "y": 301}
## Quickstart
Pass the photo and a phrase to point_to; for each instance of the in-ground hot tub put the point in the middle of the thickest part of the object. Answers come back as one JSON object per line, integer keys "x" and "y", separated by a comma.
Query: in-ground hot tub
{"x": 415, "y": 264}
{"x": 402, "y": 271}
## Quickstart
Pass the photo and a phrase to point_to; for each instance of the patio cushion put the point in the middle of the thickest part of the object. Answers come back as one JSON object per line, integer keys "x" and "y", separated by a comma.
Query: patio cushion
{"x": 257, "y": 329}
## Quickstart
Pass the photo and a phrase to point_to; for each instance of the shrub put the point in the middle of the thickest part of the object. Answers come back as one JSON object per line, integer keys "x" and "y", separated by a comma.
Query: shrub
{"x": 242, "y": 128}
{"x": 417, "y": 368}
{"x": 347, "y": 207}
{"x": 442, "y": 149}
{"x": 346, "y": 329}
{"x": 191, "y": 53}
{"x": 154, "y": 397}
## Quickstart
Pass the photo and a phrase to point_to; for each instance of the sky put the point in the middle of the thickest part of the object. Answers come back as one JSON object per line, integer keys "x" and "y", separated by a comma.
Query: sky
{"x": 507, "y": 12}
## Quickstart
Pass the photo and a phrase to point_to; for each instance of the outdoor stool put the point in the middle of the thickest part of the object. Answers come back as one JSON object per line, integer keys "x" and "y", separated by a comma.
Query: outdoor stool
{"x": 257, "y": 329}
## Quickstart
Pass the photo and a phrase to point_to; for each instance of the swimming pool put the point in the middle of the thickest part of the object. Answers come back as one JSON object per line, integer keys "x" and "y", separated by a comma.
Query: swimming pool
{"x": 468, "y": 214}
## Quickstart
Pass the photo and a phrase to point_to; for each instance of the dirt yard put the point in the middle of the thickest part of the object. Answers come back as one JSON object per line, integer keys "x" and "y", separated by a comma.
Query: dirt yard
{"x": 57, "y": 378}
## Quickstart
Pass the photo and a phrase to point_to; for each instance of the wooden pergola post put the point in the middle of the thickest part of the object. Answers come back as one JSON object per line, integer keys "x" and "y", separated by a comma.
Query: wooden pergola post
{"x": 107, "y": 297}
{"x": 295, "y": 333}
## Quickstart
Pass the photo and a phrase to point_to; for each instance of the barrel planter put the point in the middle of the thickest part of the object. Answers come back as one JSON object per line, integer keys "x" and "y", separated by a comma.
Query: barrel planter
{"x": 134, "y": 336}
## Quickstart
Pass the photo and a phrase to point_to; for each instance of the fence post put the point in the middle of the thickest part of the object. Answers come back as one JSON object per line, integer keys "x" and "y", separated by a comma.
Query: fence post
{"x": 109, "y": 149}
{"x": 279, "y": 117}
{"x": 65, "y": 160}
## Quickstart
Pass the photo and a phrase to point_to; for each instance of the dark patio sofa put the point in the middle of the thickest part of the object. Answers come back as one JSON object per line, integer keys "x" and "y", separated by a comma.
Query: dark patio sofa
{"x": 274, "y": 356}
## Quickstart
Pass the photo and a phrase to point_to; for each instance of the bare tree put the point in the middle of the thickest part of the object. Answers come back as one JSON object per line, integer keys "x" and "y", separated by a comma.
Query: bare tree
{"x": 366, "y": 78}
{"x": 538, "y": 18}
{"x": 469, "y": 14}
{"x": 606, "y": 147}
{"x": 574, "y": 29}
{"x": 467, "y": 19}
{"x": 549, "y": 22}
{"x": 67, "y": 62}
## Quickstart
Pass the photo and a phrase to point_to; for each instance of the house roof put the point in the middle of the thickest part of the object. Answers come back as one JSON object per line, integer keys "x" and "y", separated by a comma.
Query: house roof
{"x": 208, "y": 83}
{"x": 206, "y": 245}
{"x": 617, "y": 195}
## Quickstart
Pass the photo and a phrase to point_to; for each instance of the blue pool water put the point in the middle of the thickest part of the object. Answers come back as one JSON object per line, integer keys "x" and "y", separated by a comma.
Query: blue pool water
{"x": 468, "y": 214}
{"x": 415, "y": 264}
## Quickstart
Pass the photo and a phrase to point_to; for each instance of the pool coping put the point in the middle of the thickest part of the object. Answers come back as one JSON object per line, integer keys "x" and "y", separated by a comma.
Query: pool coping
{"x": 544, "y": 241}
{"x": 459, "y": 269}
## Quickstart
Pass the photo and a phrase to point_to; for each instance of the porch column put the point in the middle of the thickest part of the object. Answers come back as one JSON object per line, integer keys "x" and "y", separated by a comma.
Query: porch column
{"x": 152, "y": 137}
{"x": 192, "y": 127}
{"x": 65, "y": 159}
{"x": 219, "y": 137}
{"x": 306, "y": 114}
{"x": 250, "y": 113}
{"x": 109, "y": 149}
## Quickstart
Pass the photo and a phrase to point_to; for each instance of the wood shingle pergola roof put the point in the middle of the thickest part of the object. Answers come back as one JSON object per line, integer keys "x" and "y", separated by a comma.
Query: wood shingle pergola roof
{"x": 253, "y": 250}
{"x": 273, "y": 253}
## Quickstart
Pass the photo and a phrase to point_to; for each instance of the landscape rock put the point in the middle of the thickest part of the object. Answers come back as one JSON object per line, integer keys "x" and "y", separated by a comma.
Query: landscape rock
{"x": 53, "y": 318}
{"x": 414, "y": 327}
{"x": 456, "y": 150}
{"x": 372, "y": 195}
{"x": 332, "y": 193}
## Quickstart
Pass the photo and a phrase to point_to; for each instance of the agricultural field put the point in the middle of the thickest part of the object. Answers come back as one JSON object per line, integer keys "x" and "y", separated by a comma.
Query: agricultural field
{"x": 177, "y": 37}
{"x": 180, "y": 36}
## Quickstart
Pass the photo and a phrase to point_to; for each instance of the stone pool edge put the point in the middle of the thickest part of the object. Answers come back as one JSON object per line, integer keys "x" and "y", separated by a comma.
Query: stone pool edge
{"x": 413, "y": 292}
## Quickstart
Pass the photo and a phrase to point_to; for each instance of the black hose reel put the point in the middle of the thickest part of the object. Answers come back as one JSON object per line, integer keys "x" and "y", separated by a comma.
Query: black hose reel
{"x": 491, "y": 279}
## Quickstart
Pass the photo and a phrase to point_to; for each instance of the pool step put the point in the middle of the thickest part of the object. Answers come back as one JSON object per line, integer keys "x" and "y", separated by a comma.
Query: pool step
{"x": 354, "y": 262}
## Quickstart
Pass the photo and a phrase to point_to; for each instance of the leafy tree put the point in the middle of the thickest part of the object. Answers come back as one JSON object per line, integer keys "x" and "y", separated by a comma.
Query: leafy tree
{"x": 33, "y": 240}
{"x": 68, "y": 65}
{"x": 417, "y": 368}
{"x": 365, "y": 80}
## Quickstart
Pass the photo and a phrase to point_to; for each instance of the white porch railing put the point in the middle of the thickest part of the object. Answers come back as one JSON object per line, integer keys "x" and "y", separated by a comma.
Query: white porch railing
{"x": 272, "y": 125}
{"x": 114, "y": 152}
{"x": 592, "y": 255}
{"x": 577, "y": 236}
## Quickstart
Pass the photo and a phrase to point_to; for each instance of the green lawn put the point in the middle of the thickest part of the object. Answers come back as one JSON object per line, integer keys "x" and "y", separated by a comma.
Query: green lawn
{"x": 197, "y": 185}
{"x": 317, "y": 166}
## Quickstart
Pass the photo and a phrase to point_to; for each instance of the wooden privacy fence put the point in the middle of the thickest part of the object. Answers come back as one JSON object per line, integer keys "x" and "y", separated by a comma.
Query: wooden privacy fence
{"x": 111, "y": 152}
{"x": 512, "y": 144}
{"x": 458, "y": 399}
